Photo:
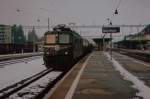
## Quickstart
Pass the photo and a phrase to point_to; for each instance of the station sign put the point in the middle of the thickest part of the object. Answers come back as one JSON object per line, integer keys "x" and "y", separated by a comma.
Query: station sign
{"x": 110, "y": 29}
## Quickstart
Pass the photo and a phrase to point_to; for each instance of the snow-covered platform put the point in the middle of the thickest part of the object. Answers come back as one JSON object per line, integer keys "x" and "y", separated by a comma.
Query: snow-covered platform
{"x": 96, "y": 77}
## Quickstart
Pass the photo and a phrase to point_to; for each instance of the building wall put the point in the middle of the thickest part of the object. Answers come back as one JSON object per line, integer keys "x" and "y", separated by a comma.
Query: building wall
{"x": 147, "y": 37}
{"x": 2, "y": 33}
{"x": 138, "y": 37}
{"x": 5, "y": 34}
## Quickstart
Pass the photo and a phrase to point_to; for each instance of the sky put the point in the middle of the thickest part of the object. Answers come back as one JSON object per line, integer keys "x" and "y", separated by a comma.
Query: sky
{"x": 81, "y": 12}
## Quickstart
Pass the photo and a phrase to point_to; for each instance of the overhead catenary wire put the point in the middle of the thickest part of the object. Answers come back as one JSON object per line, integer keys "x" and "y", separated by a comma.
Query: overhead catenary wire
{"x": 116, "y": 10}
{"x": 83, "y": 26}
{"x": 118, "y": 4}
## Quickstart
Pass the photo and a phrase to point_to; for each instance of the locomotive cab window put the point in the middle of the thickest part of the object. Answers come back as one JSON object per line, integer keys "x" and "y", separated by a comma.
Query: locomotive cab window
{"x": 51, "y": 38}
{"x": 57, "y": 38}
{"x": 64, "y": 38}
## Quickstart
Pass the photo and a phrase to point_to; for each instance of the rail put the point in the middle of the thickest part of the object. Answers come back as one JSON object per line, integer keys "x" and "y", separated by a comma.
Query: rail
{"x": 9, "y": 90}
{"x": 144, "y": 56}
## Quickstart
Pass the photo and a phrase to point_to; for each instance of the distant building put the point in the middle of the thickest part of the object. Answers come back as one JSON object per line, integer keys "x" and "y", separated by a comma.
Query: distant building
{"x": 140, "y": 40}
{"x": 144, "y": 35}
{"x": 5, "y": 34}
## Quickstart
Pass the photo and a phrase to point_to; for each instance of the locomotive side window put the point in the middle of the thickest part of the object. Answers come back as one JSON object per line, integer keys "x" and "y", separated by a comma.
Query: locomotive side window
{"x": 51, "y": 38}
{"x": 64, "y": 38}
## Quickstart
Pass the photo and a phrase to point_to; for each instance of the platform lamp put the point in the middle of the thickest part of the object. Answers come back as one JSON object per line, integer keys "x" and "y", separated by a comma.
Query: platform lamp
{"x": 111, "y": 38}
{"x": 116, "y": 11}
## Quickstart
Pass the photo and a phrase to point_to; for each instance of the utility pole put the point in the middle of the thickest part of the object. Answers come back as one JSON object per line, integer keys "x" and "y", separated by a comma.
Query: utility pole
{"x": 110, "y": 23}
{"x": 111, "y": 45}
{"x": 48, "y": 24}
{"x": 34, "y": 42}
{"x": 104, "y": 42}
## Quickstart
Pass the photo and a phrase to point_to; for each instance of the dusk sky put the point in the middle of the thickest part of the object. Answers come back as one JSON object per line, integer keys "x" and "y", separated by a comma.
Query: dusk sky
{"x": 88, "y": 12}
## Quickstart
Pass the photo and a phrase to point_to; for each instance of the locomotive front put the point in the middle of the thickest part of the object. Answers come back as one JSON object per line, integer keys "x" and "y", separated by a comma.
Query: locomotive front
{"x": 57, "y": 49}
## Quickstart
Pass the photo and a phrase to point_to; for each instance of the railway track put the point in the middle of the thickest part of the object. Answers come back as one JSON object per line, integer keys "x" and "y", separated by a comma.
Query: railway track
{"x": 18, "y": 56}
{"x": 3, "y": 63}
{"x": 135, "y": 54}
{"x": 42, "y": 81}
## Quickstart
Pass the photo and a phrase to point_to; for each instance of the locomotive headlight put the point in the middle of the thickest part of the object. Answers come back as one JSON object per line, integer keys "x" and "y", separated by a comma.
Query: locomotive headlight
{"x": 57, "y": 48}
{"x": 47, "y": 52}
{"x": 66, "y": 53}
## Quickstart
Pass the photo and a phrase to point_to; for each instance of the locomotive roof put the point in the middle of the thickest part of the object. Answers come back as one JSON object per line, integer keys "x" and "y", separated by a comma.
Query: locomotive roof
{"x": 63, "y": 29}
{"x": 53, "y": 32}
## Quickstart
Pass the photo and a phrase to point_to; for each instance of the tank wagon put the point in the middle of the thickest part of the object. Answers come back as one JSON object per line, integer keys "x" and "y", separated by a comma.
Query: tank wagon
{"x": 62, "y": 47}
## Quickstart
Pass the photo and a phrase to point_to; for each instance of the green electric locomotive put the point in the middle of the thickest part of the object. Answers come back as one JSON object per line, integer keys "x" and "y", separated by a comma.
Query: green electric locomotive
{"x": 62, "y": 46}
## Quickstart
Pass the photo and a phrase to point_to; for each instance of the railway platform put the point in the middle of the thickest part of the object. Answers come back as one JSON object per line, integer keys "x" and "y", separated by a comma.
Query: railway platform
{"x": 93, "y": 77}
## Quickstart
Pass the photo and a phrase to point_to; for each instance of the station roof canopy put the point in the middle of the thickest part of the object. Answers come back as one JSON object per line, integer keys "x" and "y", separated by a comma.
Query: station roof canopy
{"x": 100, "y": 40}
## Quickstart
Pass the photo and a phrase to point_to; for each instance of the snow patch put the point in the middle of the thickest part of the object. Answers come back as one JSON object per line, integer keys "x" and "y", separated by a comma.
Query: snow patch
{"x": 13, "y": 73}
{"x": 35, "y": 88}
{"x": 144, "y": 90}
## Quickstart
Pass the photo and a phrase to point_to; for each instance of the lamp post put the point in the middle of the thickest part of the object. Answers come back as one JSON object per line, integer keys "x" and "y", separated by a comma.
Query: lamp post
{"x": 111, "y": 38}
{"x": 34, "y": 39}
{"x": 110, "y": 23}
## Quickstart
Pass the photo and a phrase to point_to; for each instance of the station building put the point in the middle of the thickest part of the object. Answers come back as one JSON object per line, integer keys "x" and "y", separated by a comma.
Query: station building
{"x": 139, "y": 40}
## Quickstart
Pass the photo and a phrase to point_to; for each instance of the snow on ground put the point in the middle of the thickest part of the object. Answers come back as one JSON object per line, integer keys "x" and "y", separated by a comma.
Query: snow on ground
{"x": 36, "y": 87}
{"x": 16, "y": 72}
{"x": 144, "y": 90}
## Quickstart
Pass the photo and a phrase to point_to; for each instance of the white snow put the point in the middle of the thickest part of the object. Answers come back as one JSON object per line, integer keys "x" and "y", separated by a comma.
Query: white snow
{"x": 16, "y": 72}
{"x": 36, "y": 87}
{"x": 144, "y": 90}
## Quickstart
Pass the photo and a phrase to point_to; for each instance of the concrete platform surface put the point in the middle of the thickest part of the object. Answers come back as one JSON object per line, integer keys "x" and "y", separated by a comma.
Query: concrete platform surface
{"x": 97, "y": 80}
{"x": 100, "y": 80}
{"x": 138, "y": 68}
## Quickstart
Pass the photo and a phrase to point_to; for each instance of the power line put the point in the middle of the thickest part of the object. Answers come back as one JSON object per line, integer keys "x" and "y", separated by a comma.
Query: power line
{"x": 86, "y": 26}
{"x": 116, "y": 10}
{"x": 118, "y": 4}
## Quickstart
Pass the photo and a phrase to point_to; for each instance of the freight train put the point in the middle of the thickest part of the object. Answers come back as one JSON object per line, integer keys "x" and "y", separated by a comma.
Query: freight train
{"x": 63, "y": 46}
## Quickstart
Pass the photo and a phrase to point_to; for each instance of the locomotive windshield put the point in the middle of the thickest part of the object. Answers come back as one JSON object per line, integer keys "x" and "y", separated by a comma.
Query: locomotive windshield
{"x": 63, "y": 38}
{"x": 55, "y": 38}
{"x": 51, "y": 38}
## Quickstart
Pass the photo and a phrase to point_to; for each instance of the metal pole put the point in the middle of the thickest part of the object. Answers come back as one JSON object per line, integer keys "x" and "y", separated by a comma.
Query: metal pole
{"x": 111, "y": 45}
{"x": 104, "y": 42}
{"x": 48, "y": 23}
{"x": 33, "y": 41}
{"x": 111, "y": 42}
